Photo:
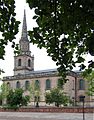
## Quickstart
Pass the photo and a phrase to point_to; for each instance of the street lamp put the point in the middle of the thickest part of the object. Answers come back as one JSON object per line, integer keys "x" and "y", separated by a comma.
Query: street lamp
{"x": 83, "y": 100}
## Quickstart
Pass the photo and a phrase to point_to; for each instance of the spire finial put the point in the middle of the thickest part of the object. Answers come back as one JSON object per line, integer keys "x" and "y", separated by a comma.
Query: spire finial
{"x": 24, "y": 27}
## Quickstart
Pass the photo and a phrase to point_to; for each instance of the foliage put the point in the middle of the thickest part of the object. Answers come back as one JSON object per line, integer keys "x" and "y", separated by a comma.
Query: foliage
{"x": 90, "y": 79}
{"x": 31, "y": 90}
{"x": 56, "y": 96}
{"x": 1, "y": 71}
{"x": 16, "y": 98}
{"x": 4, "y": 91}
{"x": 10, "y": 107}
{"x": 60, "y": 83}
{"x": 0, "y": 99}
{"x": 34, "y": 90}
{"x": 65, "y": 28}
{"x": 8, "y": 25}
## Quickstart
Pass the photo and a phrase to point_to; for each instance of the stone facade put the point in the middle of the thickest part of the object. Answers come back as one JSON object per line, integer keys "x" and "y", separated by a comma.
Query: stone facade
{"x": 24, "y": 73}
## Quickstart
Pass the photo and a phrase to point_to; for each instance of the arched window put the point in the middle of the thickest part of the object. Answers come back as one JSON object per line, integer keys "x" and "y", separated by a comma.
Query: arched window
{"x": 81, "y": 84}
{"x": 18, "y": 84}
{"x": 8, "y": 84}
{"x": 19, "y": 62}
{"x": 27, "y": 84}
{"x": 29, "y": 63}
{"x": 48, "y": 84}
{"x": 37, "y": 85}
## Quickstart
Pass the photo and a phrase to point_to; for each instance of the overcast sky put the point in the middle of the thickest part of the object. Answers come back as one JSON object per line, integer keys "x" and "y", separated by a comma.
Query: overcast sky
{"x": 42, "y": 61}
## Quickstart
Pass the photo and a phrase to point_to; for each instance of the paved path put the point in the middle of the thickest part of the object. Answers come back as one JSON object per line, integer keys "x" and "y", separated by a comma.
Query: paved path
{"x": 44, "y": 116}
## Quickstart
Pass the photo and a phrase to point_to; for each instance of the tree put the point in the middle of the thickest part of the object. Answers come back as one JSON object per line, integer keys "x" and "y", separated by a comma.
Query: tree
{"x": 34, "y": 90}
{"x": 65, "y": 28}
{"x": 16, "y": 98}
{"x": 8, "y": 25}
{"x": 56, "y": 96}
{"x": 4, "y": 91}
{"x": 1, "y": 71}
{"x": 90, "y": 79}
{"x": 60, "y": 83}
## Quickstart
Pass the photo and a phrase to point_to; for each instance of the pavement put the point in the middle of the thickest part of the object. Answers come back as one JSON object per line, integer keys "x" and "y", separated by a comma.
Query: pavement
{"x": 44, "y": 116}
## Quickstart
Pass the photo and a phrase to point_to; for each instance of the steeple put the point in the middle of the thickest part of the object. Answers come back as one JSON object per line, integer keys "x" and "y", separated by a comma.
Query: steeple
{"x": 24, "y": 62}
{"x": 24, "y": 42}
{"x": 24, "y": 28}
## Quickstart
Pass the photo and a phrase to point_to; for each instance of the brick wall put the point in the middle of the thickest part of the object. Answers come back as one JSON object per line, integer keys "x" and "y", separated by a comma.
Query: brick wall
{"x": 66, "y": 110}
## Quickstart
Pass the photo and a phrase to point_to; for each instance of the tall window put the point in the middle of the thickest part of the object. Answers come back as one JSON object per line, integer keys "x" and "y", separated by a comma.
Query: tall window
{"x": 81, "y": 84}
{"x": 18, "y": 84}
{"x": 27, "y": 84}
{"x": 37, "y": 85}
{"x": 29, "y": 63}
{"x": 48, "y": 84}
{"x": 8, "y": 84}
{"x": 19, "y": 62}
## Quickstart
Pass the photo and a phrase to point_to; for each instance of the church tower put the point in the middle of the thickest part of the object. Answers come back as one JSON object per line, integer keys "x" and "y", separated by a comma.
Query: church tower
{"x": 24, "y": 62}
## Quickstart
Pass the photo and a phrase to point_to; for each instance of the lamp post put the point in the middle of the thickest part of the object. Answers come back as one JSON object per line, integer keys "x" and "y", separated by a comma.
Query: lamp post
{"x": 83, "y": 100}
{"x": 75, "y": 88}
{"x": 37, "y": 101}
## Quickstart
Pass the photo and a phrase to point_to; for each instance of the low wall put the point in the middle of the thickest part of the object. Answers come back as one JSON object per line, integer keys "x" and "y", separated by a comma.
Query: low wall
{"x": 52, "y": 109}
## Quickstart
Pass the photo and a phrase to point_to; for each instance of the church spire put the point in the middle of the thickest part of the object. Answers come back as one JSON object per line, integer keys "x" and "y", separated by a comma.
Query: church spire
{"x": 24, "y": 28}
{"x": 24, "y": 42}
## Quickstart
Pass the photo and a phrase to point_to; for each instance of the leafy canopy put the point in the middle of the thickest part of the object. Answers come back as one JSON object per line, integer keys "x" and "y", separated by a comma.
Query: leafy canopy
{"x": 56, "y": 96}
{"x": 4, "y": 90}
{"x": 16, "y": 98}
{"x": 90, "y": 79}
{"x": 8, "y": 25}
{"x": 65, "y": 28}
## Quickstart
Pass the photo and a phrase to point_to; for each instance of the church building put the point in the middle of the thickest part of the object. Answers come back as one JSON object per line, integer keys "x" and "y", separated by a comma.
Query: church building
{"x": 24, "y": 74}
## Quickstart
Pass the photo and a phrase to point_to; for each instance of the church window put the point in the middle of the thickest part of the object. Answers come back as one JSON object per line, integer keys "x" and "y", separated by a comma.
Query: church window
{"x": 27, "y": 84}
{"x": 18, "y": 84}
{"x": 37, "y": 85}
{"x": 29, "y": 63}
{"x": 48, "y": 84}
{"x": 19, "y": 62}
{"x": 81, "y": 84}
{"x": 8, "y": 84}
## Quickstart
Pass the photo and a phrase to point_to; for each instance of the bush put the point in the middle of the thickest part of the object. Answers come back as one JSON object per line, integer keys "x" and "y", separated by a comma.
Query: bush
{"x": 10, "y": 107}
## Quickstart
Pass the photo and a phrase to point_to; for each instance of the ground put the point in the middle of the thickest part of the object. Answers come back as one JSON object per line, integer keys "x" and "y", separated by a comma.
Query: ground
{"x": 44, "y": 116}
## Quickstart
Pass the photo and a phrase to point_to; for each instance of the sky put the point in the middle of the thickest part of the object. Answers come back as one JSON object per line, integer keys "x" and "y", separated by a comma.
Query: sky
{"x": 42, "y": 61}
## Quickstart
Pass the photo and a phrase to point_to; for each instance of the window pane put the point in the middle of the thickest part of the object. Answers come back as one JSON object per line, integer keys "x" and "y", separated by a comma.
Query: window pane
{"x": 29, "y": 63}
{"x": 18, "y": 84}
{"x": 81, "y": 84}
{"x": 8, "y": 85}
{"x": 19, "y": 62}
{"x": 48, "y": 84}
{"x": 37, "y": 85}
{"x": 27, "y": 83}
